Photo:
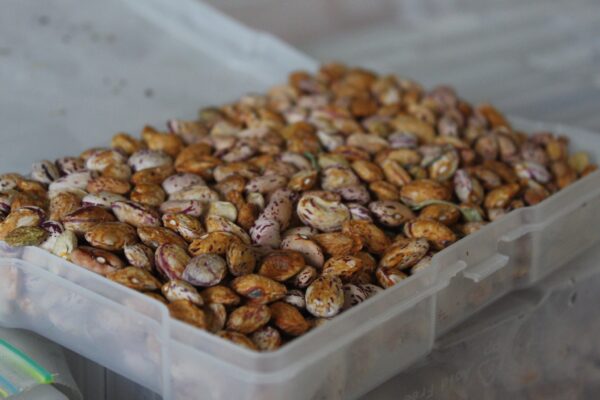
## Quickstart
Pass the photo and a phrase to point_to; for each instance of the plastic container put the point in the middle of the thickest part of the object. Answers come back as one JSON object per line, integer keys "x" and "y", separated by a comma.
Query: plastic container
{"x": 355, "y": 352}
{"x": 133, "y": 335}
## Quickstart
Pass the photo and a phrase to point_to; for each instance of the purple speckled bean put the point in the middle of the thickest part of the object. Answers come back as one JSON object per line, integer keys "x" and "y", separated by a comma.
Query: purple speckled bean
{"x": 181, "y": 181}
{"x": 330, "y": 141}
{"x": 327, "y": 216}
{"x": 295, "y": 297}
{"x": 297, "y": 160}
{"x": 353, "y": 295}
{"x": 53, "y": 227}
{"x": 45, "y": 172}
{"x": 171, "y": 260}
{"x": 181, "y": 290}
{"x": 280, "y": 207}
{"x": 313, "y": 255}
{"x": 402, "y": 140}
{"x": 39, "y": 211}
{"x": 359, "y": 212}
{"x": 266, "y": 232}
{"x": 430, "y": 154}
{"x": 68, "y": 165}
{"x": 355, "y": 193}
{"x": 139, "y": 255}
{"x": 4, "y": 205}
{"x": 301, "y": 230}
{"x": 370, "y": 289}
{"x": 144, "y": 159}
{"x": 448, "y": 126}
{"x": 532, "y": 170}
{"x": 135, "y": 214}
{"x": 205, "y": 270}
{"x": 266, "y": 184}
{"x": 533, "y": 152}
{"x": 99, "y": 160}
{"x": 468, "y": 190}
{"x": 75, "y": 180}
{"x": 193, "y": 208}
{"x": 103, "y": 199}
{"x": 196, "y": 192}
{"x": 240, "y": 152}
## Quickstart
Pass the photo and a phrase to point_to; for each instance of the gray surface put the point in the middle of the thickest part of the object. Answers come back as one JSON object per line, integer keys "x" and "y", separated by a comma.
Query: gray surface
{"x": 43, "y": 392}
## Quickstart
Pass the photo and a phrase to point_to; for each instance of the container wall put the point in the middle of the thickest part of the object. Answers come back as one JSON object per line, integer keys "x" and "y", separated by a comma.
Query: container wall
{"x": 523, "y": 247}
{"x": 113, "y": 333}
{"x": 530, "y": 244}
{"x": 520, "y": 346}
{"x": 395, "y": 341}
{"x": 538, "y": 343}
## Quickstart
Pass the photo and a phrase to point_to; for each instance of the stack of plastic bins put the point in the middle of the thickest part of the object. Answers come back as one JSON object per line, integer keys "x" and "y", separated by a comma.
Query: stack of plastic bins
{"x": 134, "y": 336}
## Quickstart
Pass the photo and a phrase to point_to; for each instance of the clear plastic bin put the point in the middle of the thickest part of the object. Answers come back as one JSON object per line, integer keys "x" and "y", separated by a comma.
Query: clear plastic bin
{"x": 134, "y": 336}
{"x": 355, "y": 352}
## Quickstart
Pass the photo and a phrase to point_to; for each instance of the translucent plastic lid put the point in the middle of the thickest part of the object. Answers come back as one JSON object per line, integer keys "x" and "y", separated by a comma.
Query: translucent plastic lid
{"x": 72, "y": 74}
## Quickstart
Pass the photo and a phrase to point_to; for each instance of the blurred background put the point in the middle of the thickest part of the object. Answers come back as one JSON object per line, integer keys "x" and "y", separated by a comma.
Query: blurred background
{"x": 539, "y": 59}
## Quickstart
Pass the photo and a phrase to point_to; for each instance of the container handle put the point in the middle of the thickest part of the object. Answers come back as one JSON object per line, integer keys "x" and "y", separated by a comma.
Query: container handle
{"x": 482, "y": 270}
